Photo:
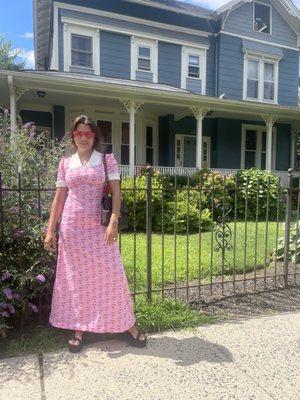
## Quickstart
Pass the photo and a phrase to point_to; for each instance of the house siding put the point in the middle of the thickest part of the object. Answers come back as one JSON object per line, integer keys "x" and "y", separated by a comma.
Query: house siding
{"x": 240, "y": 22}
{"x": 169, "y": 64}
{"x": 230, "y": 67}
{"x": 211, "y": 68}
{"x": 288, "y": 78}
{"x": 115, "y": 55}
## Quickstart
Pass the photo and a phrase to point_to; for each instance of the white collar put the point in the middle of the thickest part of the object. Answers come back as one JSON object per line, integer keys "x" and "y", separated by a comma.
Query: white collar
{"x": 95, "y": 159}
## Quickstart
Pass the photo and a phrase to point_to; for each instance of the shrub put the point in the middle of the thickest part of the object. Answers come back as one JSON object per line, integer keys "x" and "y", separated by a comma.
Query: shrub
{"x": 25, "y": 268}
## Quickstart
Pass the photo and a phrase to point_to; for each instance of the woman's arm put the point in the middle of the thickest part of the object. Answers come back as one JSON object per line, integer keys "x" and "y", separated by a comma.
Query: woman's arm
{"x": 56, "y": 209}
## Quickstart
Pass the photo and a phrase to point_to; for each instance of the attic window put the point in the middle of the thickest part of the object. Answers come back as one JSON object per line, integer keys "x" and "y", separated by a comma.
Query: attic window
{"x": 262, "y": 18}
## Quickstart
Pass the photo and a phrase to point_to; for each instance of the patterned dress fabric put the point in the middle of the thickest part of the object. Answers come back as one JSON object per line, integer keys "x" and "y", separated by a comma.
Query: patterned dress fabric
{"x": 91, "y": 290}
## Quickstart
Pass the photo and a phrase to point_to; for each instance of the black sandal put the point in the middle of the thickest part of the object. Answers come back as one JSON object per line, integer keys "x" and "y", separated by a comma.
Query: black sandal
{"x": 75, "y": 348}
{"x": 137, "y": 342}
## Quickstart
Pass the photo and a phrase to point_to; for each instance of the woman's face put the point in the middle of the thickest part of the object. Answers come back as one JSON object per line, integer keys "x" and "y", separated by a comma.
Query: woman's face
{"x": 83, "y": 137}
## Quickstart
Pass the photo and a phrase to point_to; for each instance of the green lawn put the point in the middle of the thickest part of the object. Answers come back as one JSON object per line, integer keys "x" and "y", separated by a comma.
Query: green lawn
{"x": 189, "y": 252}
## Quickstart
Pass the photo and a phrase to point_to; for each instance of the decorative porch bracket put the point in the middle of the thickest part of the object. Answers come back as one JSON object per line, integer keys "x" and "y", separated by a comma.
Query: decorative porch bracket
{"x": 269, "y": 121}
{"x": 131, "y": 106}
{"x": 199, "y": 114}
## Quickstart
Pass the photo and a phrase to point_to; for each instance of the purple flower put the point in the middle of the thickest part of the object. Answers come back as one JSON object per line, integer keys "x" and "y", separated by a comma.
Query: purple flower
{"x": 6, "y": 276}
{"x": 8, "y": 293}
{"x": 40, "y": 278}
{"x": 17, "y": 296}
{"x": 15, "y": 209}
{"x": 32, "y": 135}
{"x": 19, "y": 233}
{"x": 11, "y": 308}
{"x": 5, "y": 191}
{"x": 4, "y": 314}
{"x": 28, "y": 125}
{"x": 3, "y": 305}
{"x": 34, "y": 308}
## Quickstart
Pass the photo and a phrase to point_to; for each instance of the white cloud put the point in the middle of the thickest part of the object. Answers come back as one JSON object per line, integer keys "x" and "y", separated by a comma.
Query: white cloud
{"x": 26, "y": 35}
{"x": 28, "y": 57}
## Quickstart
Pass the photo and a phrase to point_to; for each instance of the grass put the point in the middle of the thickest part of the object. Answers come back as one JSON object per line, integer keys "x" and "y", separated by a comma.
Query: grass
{"x": 195, "y": 258}
{"x": 155, "y": 317}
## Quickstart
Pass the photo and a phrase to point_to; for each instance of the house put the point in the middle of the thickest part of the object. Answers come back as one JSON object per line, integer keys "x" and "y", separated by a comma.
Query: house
{"x": 169, "y": 83}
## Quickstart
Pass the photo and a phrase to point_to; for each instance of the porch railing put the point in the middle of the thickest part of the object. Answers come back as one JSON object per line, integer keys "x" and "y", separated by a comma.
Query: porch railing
{"x": 188, "y": 171}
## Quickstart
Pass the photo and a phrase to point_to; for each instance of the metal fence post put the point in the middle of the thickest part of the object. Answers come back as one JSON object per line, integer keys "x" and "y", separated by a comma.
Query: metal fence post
{"x": 287, "y": 227}
{"x": 149, "y": 233}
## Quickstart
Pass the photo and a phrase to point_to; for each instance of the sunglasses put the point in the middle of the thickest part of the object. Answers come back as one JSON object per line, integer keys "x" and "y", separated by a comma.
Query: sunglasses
{"x": 88, "y": 134}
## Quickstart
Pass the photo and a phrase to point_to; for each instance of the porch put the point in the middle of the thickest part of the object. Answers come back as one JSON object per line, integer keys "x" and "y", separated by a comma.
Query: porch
{"x": 171, "y": 129}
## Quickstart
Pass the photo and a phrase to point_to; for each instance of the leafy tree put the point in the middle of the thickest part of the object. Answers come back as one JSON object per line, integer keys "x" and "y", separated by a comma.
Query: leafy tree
{"x": 8, "y": 56}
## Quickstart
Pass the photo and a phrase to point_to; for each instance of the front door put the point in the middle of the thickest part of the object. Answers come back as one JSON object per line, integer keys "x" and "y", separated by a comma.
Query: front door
{"x": 185, "y": 151}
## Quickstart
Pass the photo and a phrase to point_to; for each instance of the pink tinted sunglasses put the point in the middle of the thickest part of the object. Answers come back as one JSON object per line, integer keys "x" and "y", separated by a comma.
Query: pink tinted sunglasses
{"x": 88, "y": 134}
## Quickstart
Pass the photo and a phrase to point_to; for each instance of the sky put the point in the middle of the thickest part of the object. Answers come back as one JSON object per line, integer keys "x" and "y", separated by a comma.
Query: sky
{"x": 16, "y": 23}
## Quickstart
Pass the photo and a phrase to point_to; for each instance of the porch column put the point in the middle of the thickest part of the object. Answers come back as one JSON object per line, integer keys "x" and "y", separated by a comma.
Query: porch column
{"x": 131, "y": 106}
{"x": 199, "y": 114}
{"x": 15, "y": 94}
{"x": 269, "y": 121}
{"x": 294, "y": 135}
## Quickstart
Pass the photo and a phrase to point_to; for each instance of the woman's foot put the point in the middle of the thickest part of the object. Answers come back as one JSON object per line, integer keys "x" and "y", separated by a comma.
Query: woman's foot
{"x": 134, "y": 332}
{"x": 74, "y": 342}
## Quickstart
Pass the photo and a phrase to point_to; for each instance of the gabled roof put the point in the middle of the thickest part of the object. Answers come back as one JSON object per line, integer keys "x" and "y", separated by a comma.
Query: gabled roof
{"x": 285, "y": 7}
{"x": 178, "y": 6}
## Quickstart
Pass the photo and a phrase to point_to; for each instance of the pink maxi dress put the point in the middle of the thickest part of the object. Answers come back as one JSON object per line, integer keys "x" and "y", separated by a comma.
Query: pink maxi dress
{"x": 91, "y": 290}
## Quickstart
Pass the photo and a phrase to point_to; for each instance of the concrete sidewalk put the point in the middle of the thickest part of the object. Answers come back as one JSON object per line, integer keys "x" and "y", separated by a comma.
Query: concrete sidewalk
{"x": 256, "y": 358}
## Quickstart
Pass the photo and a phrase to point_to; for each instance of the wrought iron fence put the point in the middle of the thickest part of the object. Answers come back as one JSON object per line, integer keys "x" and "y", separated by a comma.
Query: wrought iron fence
{"x": 187, "y": 239}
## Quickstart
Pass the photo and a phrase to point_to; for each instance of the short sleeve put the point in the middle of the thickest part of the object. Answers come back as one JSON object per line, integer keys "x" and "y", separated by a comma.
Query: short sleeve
{"x": 112, "y": 167}
{"x": 60, "y": 181}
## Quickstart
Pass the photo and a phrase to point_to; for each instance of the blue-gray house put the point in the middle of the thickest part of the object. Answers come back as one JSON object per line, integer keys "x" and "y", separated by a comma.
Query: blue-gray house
{"x": 169, "y": 83}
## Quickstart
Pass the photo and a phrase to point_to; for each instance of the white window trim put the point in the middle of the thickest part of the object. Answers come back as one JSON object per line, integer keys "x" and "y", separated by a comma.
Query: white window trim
{"x": 84, "y": 31}
{"x": 271, "y": 17}
{"x": 259, "y": 129}
{"x": 261, "y": 59}
{"x": 185, "y": 52}
{"x": 135, "y": 43}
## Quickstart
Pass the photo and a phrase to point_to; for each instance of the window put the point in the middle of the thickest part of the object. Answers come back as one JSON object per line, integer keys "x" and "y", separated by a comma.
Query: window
{"x": 106, "y": 132}
{"x": 269, "y": 81}
{"x": 144, "y": 59}
{"x": 193, "y": 69}
{"x": 254, "y": 152}
{"x": 81, "y": 51}
{"x": 149, "y": 144}
{"x": 261, "y": 79}
{"x": 125, "y": 143}
{"x": 194, "y": 66}
{"x": 252, "y": 84}
{"x": 262, "y": 18}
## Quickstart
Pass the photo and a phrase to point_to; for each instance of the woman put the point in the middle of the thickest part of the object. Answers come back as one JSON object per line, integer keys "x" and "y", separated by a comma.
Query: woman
{"x": 90, "y": 291}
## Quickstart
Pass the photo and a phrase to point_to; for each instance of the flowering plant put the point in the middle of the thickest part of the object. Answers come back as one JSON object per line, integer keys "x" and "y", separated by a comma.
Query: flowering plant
{"x": 28, "y": 166}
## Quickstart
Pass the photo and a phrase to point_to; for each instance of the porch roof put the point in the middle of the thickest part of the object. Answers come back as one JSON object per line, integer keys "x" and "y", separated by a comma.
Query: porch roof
{"x": 151, "y": 93}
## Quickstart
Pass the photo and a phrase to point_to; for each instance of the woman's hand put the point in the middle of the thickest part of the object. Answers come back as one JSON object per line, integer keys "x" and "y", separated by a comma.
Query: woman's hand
{"x": 50, "y": 241}
{"x": 111, "y": 232}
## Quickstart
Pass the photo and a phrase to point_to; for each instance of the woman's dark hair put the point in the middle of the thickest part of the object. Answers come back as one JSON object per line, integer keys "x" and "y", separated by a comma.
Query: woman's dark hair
{"x": 84, "y": 119}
